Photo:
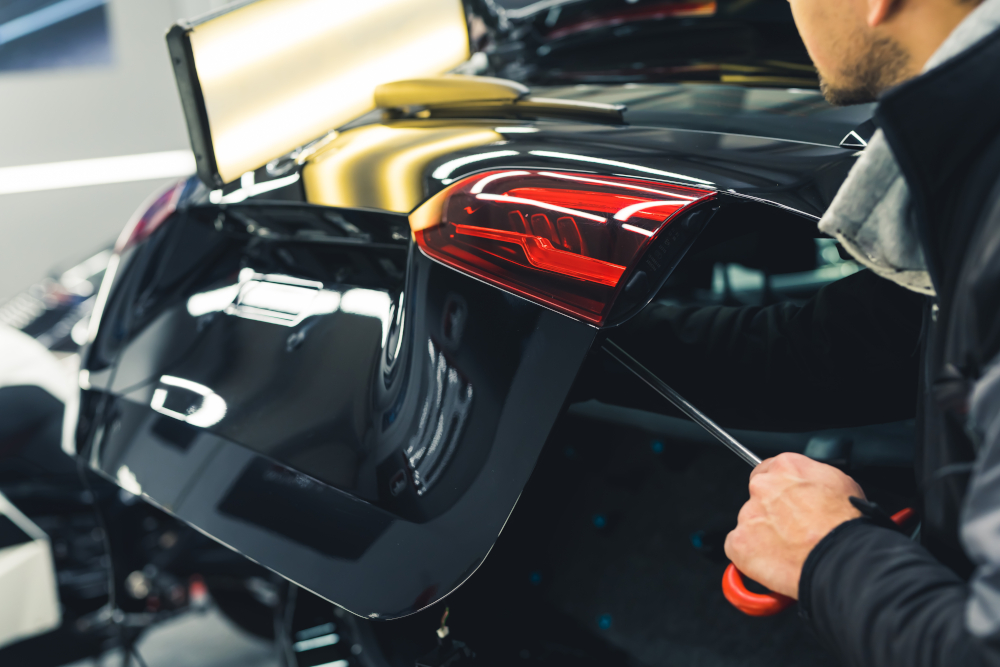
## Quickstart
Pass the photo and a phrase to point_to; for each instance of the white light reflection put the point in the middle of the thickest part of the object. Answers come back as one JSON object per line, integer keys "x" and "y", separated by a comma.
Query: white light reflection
{"x": 516, "y": 130}
{"x": 628, "y": 211}
{"x": 446, "y": 169}
{"x": 316, "y": 642}
{"x": 210, "y": 412}
{"x": 400, "y": 324}
{"x": 638, "y": 230}
{"x": 482, "y": 183}
{"x": 212, "y": 301}
{"x": 127, "y": 480}
{"x": 540, "y": 204}
{"x": 249, "y": 188}
{"x": 102, "y": 297}
{"x": 620, "y": 165}
{"x": 283, "y": 300}
{"x": 598, "y": 181}
{"x": 287, "y": 301}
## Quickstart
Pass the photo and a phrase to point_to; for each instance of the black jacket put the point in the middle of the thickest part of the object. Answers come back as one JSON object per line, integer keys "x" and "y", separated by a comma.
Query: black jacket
{"x": 851, "y": 356}
{"x": 875, "y": 595}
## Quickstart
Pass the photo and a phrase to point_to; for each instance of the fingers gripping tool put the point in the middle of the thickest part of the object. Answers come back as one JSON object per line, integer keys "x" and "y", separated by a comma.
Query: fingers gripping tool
{"x": 733, "y": 586}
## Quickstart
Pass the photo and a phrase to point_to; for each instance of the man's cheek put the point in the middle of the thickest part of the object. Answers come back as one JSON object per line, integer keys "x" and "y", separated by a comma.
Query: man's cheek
{"x": 817, "y": 28}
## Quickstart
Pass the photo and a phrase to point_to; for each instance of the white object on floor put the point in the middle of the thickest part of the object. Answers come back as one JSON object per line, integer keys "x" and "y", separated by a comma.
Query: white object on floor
{"x": 30, "y": 599}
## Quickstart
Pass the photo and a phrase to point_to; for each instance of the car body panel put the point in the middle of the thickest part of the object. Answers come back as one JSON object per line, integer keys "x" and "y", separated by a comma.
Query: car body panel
{"x": 284, "y": 387}
{"x": 370, "y": 449}
{"x": 395, "y": 165}
{"x": 301, "y": 383}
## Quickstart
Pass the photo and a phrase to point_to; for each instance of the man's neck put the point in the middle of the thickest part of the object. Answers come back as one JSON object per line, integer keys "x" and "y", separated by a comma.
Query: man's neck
{"x": 922, "y": 27}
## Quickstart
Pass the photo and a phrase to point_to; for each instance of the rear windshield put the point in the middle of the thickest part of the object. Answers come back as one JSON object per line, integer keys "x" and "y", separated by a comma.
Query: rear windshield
{"x": 739, "y": 42}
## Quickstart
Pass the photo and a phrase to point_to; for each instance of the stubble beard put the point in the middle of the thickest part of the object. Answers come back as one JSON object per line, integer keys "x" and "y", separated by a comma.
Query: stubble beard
{"x": 881, "y": 64}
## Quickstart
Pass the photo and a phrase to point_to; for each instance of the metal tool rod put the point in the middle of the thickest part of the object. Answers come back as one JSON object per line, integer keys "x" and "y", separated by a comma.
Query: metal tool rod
{"x": 679, "y": 402}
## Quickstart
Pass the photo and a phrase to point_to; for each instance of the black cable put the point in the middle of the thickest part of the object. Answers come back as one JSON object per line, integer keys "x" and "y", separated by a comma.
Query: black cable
{"x": 105, "y": 536}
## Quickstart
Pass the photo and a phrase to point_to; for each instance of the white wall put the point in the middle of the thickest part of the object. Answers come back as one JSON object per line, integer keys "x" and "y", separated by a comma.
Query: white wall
{"x": 50, "y": 116}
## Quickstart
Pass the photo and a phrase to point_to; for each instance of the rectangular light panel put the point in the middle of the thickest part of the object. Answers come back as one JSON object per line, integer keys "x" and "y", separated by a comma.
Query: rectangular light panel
{"x": 259, "y": 79}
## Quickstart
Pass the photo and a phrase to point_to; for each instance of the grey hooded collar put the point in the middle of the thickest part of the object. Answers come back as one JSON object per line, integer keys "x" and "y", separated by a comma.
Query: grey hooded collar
{"x": 869, "y": 215}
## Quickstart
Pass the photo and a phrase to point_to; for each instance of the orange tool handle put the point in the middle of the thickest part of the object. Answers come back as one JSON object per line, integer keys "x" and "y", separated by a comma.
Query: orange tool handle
{"x": 769, "y": 604}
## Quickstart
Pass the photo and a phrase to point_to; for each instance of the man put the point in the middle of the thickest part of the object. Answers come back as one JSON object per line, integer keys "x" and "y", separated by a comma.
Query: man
{"x": 920, "y": 209}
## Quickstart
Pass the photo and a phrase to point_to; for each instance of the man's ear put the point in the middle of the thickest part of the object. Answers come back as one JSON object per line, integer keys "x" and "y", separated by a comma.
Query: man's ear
{"x": 880, "y": 10}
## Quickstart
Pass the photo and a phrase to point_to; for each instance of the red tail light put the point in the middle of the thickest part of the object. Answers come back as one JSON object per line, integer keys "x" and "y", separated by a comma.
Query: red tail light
{"x": 153, "y": 212}
{"x": 566, "y": 240}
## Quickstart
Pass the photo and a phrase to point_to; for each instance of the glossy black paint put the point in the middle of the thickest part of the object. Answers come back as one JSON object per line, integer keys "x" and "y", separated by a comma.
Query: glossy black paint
{"x": 302, "y": 384}
{"x": 800, "y": 176}
{"x": 370, "y": 452}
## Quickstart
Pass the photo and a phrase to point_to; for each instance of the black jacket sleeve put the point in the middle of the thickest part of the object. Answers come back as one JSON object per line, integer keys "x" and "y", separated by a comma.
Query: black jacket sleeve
{"x": 847, "y": 357}
{"x": 880, "y": 600}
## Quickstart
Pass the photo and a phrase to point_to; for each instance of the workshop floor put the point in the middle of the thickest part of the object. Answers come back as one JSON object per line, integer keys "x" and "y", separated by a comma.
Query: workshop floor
{"x": 613, "y": 556}
{"x": 626, "y": 560}
{"x": 196, "y": 640}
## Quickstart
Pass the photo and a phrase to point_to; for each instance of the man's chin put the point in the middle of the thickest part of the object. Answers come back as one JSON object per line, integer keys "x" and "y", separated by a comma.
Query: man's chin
{"x": 845, "y": 97}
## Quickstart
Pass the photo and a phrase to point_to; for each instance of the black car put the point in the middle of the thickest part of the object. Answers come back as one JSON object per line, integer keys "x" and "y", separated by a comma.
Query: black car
{"x": 357, "y": 364}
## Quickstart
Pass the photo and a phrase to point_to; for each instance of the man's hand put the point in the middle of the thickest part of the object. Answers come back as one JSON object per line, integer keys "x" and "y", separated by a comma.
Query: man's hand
{"x": 794, "y": 502}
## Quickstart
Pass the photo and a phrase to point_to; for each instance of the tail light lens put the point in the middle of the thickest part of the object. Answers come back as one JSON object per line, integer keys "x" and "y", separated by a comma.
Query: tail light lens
{"x": 566, "y": 240}
{"x": 148, "y": 218}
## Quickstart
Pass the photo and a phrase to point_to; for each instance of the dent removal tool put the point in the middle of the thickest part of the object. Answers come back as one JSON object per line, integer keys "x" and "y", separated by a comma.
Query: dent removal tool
{"x": 733, "y": 586}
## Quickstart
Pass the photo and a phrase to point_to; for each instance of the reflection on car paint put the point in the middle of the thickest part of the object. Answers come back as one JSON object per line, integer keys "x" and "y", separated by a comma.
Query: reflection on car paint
{"x": 287, "y": 301}
{"x": 382, "y": 166}
{"x": 200, "y": 407}
{"x": 447, "y": 404}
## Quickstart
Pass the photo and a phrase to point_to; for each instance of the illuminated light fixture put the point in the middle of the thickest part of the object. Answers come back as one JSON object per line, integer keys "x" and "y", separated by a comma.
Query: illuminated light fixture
{"x": 540, "y": 204}
{"x": 210, "y": 412}
{"x": 529, "y": 241}
{"x": 95, "y": 171}
{"x": 516, "y": 129}
{"x": 638, "y": 230}
{"x": 43, "y": 18}
{"x": 266, "y": 77}
{"x": 627, "y": 212}
{"x": 597, "y": 181}
{"x": 483, "y": 182}
{"x": 446, "y": 169}
{"x": 620, "y": 165}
